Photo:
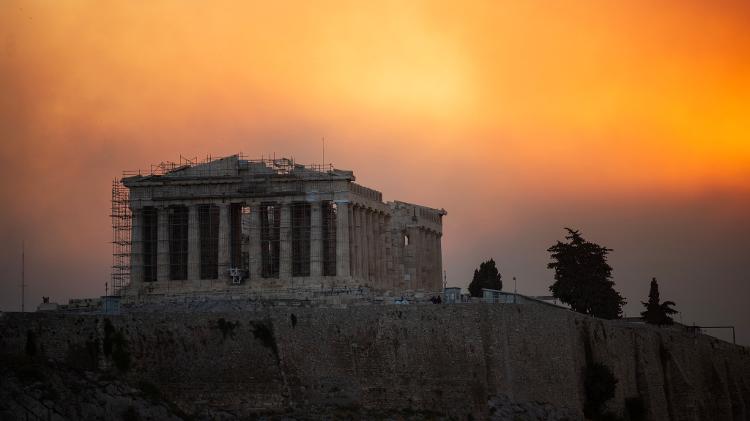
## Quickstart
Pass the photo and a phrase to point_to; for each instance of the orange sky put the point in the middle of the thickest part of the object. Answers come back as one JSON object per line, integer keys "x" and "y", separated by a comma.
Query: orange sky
{"x": 629, "y": 120}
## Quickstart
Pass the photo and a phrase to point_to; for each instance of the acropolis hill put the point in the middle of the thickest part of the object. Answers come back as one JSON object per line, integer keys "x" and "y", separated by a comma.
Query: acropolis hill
{"x": 264, "y": 288}
{"x": 459, "y": 361}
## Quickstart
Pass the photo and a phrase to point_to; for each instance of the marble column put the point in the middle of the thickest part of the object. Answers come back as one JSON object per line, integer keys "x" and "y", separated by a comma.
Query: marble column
{"x": 422, "y": 248}
{"x": 376, "y": 248}
{"x": 162, "y": 244}
{"x": 342, "y": 239}
{"x": 431, "y": 255}
{"x": 416, "y": 256}
{"x": 224, "y": 241}
{"x": 285, "y": 238}
{"x": 388, "y": 247}
{"x": 363, "y": 244}
{"x": 433, "y": 262}
{"x": 439, "y": 253}
{"x": 382, "y": 264}
{"x": 427, "y": 263}
{"x": 358, "y": 241}
{"x": 316, "y": 239}
{"x": 426, "y": 260}
{"x": 194, "y": 245}
{"x": 136, "y": 248}
{"x": 374, "y": 244}
{"x": 366, "y": 238}
{"x": 428, "y": 267}
{"x": 256, "y": 262}
{"x": 352, "y": 254}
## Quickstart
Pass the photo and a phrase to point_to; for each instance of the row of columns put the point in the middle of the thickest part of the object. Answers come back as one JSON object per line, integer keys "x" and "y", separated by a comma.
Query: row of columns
{"x": 254, "y": 249}
{"x": 342, "y": 239}
{"x": 428, "y": 259}
{"x": 365, "y": 247}
{"x": 369, "y": 246}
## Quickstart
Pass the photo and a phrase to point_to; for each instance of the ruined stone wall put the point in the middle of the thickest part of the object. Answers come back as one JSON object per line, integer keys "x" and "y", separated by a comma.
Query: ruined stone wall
{"x": 449, "y": 359}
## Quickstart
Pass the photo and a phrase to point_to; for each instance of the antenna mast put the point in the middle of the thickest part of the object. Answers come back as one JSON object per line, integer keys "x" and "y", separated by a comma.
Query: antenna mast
{"x": 324, "y": 151}
{"x": 23, "y": 277}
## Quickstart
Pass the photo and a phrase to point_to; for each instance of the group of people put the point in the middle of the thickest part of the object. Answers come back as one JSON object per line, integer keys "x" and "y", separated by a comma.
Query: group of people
{"x": 435, "y": 299}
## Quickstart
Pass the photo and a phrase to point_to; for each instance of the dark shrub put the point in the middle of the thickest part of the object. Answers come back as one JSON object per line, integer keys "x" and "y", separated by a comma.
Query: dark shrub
{"x": 109, "y": 332}
{"x": 599, "y": 385}
{"x": 116, "y": 345}
{"x": 120, "y": 352}
{"x": 226, "y": 328}
{"x": 264, "y": 334}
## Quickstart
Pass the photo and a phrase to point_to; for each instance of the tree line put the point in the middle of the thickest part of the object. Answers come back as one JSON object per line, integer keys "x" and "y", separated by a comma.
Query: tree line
{"x": 583, "y": 280}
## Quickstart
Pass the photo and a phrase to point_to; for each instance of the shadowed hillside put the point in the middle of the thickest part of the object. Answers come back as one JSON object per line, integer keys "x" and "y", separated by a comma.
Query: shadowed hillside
{"x": 466, "y": 360}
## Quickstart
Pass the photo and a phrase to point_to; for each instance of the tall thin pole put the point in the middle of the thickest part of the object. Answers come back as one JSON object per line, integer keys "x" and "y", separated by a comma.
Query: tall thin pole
{"x": 324, "y": 151}
{"x": 23, "y": 275}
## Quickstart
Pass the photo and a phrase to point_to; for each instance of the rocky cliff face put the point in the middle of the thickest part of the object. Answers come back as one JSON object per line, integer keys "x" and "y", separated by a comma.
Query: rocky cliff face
{"x": 484, "y": 361}
{"x": 40, "y": 390}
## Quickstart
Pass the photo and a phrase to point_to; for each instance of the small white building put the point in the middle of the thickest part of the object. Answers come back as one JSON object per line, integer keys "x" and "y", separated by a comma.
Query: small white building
{"x": 452, "y": 295}
{"x": 496, "y": 296}
{"x": 45, "y": 305}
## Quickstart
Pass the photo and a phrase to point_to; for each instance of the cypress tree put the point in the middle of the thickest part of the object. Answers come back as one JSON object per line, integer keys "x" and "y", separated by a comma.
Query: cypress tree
{"x": 487, "y": 276}
{"x": 657, "y": 313}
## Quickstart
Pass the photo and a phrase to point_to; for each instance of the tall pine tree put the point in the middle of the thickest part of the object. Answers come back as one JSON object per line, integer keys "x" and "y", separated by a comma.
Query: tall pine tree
{"x": 487, "y": 276}
{"x": 583, "y": 277}
{"x": 657, "y": 313}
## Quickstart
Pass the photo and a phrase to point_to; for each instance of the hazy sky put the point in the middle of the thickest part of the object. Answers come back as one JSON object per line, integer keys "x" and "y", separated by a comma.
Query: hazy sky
{"x": 627, "y": 120}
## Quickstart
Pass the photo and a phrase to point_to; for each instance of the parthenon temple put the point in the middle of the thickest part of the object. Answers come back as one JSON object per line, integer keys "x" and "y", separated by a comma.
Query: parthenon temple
{"x": 236, "y": 223}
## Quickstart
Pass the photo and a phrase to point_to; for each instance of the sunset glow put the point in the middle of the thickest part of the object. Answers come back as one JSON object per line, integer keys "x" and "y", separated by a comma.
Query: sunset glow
{"x": 629, "y": 120}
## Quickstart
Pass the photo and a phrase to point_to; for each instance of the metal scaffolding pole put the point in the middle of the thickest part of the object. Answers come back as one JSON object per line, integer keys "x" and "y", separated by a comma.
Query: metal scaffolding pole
{"x": 121, "y": 241}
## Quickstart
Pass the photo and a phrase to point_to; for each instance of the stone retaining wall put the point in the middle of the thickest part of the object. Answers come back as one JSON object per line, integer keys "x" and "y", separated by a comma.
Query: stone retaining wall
{"x": 447, "y": 359}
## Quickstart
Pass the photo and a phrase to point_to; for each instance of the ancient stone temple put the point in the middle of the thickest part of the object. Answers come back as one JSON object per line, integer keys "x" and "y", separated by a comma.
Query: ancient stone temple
{"x": 235, "y": 223}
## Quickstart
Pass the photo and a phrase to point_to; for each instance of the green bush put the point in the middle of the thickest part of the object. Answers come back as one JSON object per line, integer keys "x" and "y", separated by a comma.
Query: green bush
{"x": 116, "y": 345}
{"x": 599, "y": 385}
{"x": 120, "y": 352}
{"x": 226, "y": 328}
{"x": 264, "y": 333}
{"x": 109, "y": 332}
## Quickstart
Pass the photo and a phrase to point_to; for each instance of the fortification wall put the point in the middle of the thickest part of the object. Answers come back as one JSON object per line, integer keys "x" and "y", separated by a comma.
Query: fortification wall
{"x": 448, "y": 359}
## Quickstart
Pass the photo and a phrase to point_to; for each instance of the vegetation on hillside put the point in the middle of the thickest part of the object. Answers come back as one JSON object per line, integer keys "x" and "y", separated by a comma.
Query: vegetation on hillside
{"x": 657, "y": 313}
{"x": 487, "y": 276}
{"x": 583, "y": 277}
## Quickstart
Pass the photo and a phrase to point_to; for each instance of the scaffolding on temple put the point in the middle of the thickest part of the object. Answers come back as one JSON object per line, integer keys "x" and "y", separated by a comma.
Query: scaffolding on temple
{"x": 277, "y": 165}
{"x": 121, "y": 241}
